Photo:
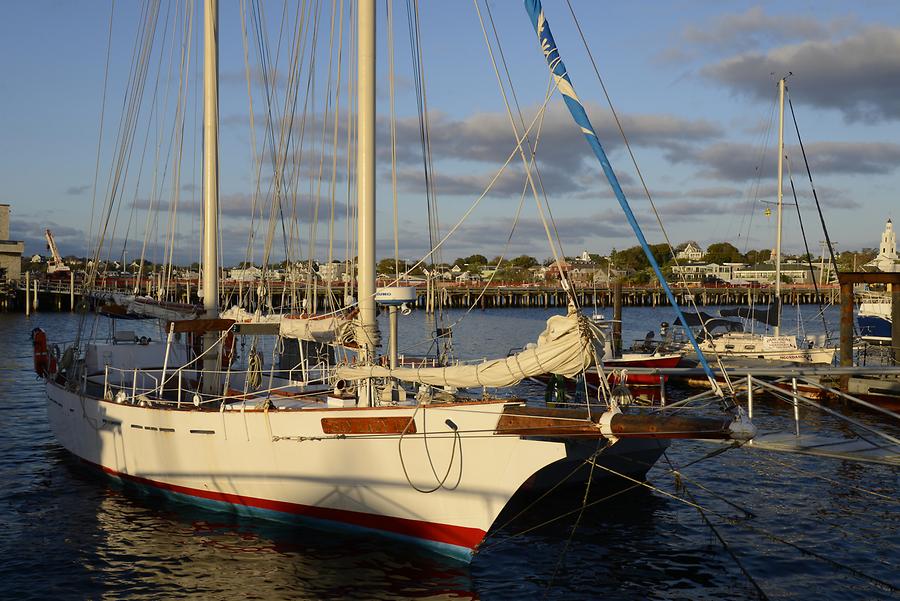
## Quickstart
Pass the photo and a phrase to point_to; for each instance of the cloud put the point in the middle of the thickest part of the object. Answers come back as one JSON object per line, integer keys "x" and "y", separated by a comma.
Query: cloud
{"x": 739, "y": 162}
{"x": 829, "y": 197}
{"x": 858, "y": 75}
{"x": 874, "y": 158}
{"x": 470, "y": 150}
{"x": 530, "y": 235}
{"x": 754, "y": 28}
{"x": 714, "y": 192}
{"x": 69, "y": 240}
{"x": 511, "y": 183}
{"x": 483, "y": 141}
{"x": 77, "y": 190}
{"x": 240, "y": 206}
{"x": 489, "y": 137}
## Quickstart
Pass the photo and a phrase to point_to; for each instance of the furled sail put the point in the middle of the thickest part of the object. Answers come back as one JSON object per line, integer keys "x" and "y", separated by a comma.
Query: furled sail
{"x": 331, "y": 329}
{"x": 324, "y": 330}
{"x": 564, "y": 348}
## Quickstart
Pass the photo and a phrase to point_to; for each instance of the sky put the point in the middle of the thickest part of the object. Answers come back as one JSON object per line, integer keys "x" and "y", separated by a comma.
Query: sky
{"x": 693, "y": 83}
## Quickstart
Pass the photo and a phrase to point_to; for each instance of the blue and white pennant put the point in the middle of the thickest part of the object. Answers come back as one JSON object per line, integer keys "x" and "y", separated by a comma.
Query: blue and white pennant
{"x": 567, "y": 89}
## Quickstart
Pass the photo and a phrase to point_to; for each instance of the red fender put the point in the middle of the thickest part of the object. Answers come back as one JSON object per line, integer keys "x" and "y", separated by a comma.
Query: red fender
{"x": 41, "y": 354}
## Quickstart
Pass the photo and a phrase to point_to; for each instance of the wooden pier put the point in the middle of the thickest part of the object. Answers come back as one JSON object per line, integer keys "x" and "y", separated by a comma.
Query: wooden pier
{"x": 64, "y": 294}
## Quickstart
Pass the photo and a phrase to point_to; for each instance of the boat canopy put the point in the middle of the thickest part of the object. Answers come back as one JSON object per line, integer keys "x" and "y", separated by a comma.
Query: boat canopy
{"x": 767, "y": 315}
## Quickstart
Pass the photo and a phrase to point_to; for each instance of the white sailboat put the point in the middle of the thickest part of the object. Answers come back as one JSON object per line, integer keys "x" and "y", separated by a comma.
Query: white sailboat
{"x": 343, "y": 445}
{"x": 736, "y": 344}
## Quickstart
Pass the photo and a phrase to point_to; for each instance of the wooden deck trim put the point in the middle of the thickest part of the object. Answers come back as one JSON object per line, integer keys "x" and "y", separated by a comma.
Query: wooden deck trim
{"x": 368, "y": 425}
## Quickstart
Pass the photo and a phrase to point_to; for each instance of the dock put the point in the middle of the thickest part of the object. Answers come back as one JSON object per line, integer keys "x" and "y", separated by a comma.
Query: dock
{"x": 64, "y": 294}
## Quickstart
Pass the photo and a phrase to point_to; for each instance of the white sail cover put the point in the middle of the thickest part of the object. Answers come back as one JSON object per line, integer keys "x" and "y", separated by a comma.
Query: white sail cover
{"x": 334, "y": 329}
{"x": 564, "y": 348}
{"x": 241, "y": 315}
{"x": 325, "y": 330}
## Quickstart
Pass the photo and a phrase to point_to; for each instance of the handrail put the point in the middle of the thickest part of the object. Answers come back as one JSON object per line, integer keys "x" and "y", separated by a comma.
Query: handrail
{"x": 852, "y": 398}
{"x": 136, "y": 392}
{"x": 823, "y": 370}
{"x": 838, "y": 414}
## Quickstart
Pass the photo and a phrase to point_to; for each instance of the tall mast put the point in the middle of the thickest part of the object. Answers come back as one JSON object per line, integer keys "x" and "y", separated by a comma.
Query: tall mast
{"x": 365, "y": 181}
{"x": 211, "y": 157}
{"x": 778, "y": 224}
{"x": 210, "y": 186}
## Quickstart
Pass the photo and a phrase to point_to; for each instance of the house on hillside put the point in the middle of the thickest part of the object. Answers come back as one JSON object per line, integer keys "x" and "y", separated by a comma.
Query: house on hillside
{"x": 465, "y": 277}
{"x": 690, "y": 252}
{"x": 552, "y": 272}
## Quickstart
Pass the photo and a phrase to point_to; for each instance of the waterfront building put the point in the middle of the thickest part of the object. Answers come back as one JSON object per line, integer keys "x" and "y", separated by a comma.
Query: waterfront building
{"x": 10, "y": 250}
{"x": 696, "y": 271}
{"x": 796, "y": 273}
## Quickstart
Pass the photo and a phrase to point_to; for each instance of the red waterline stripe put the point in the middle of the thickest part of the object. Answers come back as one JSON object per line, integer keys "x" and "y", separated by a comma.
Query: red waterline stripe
{"x": 460, "y": 536}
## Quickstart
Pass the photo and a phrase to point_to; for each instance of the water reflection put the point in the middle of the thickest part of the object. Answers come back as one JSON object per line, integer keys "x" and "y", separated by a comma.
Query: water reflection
{"x": 66, "y": 532}
{"x": 149, "y": 547}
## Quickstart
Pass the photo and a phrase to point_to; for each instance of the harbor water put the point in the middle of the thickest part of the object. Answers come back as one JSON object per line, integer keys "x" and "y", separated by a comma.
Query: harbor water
{"x": 774, "y": 525}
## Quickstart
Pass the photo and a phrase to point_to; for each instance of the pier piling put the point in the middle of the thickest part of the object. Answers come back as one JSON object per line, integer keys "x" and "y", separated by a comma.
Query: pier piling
{"x": 617, "y": 318}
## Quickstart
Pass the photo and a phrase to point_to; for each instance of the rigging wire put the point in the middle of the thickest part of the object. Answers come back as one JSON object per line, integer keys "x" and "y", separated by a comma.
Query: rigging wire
{"x": 527, "y": 166}
{"x": 872, "y": 580}
{"x": 662, "y": 228}
{"x": 812, "y": 185}
{"x": 584, "y": 502}
{"x": 812, "y": 272}
{"x": 753, "y": 191}
{"x": 594, "y": 502}
{"x": 519, "y": 112}
{"x": 124, "y": 140}
{"x": 716, "y": 532}
{"x": 393, "y": 122}
{"x": 334, "y": 304}
{"x": 512, "y": 230}
{"x": 112, "y": 10}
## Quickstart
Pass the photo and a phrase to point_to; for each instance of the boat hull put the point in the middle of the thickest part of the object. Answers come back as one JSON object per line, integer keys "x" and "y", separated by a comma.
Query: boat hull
{"x": 636, "y": 360}
{"x": 285, "y": 465}
{"x": 744, "y": 345}
{"x": 874, "y": 328}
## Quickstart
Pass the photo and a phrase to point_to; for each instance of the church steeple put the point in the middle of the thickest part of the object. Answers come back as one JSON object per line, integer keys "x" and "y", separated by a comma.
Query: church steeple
{"x": 888, "y": 249}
